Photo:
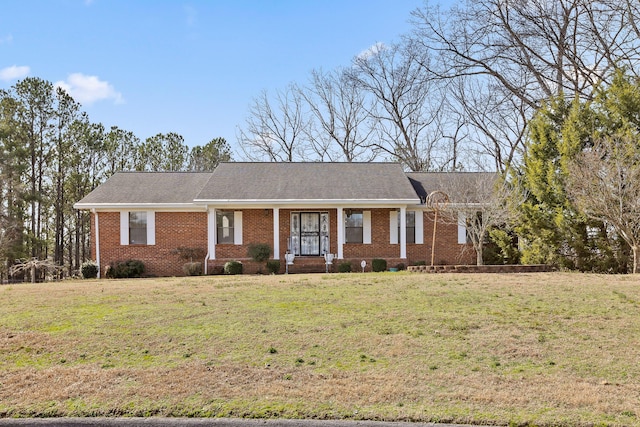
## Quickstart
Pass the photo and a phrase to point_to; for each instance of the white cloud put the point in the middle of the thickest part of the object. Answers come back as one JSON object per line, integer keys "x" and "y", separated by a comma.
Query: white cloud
{"x": 6, "y": 39}
{"x": 372, "y": 51}
{"x": 89, "y": 89}
{"x": 14, "y": 72}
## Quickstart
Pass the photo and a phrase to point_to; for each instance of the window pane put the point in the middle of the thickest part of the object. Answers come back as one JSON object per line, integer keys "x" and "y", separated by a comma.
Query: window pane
{"x": 411, "y": 234}
{"x": 353, "y": 235}
{"x": 410, "y": 226}
{"x": 137, "y": 228}
{"x": 354, "y": 219}
{"x": 294, "y": 235}
{"x": 411, "y": 219}
{"x": 310, "y": 245}
{"x": 224, "y": 227}
{"x": 324, "y": 233}
{"x": 353, "y": 227}
{"x": 310, "y": 222}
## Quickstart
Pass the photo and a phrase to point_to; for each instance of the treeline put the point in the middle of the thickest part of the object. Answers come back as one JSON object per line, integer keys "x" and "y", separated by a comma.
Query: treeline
{"x": 455, "y": 93}
{"x": 52, "y": 155}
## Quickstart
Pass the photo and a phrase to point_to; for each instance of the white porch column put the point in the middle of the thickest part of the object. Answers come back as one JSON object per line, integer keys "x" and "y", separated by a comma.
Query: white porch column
{"x": 97, "y": 240}
{"x": 276, "y": 233}
{"x": 340, "y": 222}
{"x": 211, "y": 232}
{"x": 403, "y": 233}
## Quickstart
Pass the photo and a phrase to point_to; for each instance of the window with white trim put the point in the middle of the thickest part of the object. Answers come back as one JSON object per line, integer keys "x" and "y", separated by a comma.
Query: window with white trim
{"x": 137, "y": 228}
{"x": 410, "y": 226}
{"x": 414, "y": 227}
{"x": 353, "y": 227}
{"x": 225, "y": 227}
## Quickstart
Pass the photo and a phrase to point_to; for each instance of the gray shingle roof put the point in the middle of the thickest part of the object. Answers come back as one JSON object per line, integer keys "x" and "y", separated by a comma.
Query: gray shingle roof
{"x": 267, "y": 182}
{"x": 461, "y": 187}
{"x": 308, "y": 181}
{"x": 147, "y": 187}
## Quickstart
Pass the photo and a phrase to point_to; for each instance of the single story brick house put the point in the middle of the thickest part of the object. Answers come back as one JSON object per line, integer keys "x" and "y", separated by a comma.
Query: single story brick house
{"x": 356, "y": 211}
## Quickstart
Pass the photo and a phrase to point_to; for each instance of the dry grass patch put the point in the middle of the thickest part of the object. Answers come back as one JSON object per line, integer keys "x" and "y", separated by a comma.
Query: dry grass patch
{"x": 543, "y": 349}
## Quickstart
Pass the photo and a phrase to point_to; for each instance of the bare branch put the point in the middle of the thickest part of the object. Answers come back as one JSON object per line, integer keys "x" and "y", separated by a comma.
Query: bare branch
{"x": 274, "y": 129}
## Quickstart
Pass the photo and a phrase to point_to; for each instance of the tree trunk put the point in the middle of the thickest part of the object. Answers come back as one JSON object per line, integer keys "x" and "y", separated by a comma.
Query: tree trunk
{"x": 479, "y": 260}
{"x": 634, "y": 249}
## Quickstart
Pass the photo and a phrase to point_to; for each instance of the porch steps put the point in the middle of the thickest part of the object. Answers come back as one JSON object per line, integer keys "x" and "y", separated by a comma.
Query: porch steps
{"x": 308, "y": 265}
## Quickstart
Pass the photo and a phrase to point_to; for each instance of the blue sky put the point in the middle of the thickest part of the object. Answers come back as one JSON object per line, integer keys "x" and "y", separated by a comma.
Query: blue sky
{"x": 190, "y": 67}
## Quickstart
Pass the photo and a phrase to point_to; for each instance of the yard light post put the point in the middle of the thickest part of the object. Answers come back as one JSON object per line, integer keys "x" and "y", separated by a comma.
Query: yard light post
{"x": 437, "y": 200}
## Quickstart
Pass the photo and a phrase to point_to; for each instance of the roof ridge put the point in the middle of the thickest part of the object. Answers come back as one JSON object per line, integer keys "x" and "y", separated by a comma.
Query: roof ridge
{"x": 163, "y": 172}
{"x": 311, "y": 163}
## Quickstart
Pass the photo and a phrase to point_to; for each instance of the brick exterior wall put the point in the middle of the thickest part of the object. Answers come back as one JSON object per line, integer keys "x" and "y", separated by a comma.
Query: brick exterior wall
{"x": 174, "y": 229}
{"x": 447, "y": 250}
{"x": 257, "y": 227}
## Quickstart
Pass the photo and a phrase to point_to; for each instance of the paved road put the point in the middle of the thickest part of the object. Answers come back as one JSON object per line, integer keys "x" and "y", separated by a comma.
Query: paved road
{"x": 200, "y": 422}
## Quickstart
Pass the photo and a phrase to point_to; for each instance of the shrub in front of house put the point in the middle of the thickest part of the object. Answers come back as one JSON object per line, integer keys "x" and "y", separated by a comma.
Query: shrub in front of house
{"x": 233, "y": 267}
{"x": 89, "y": 270}
{"x": 344, "y": 267}
{"x": 401, "y": 267}
{"x": 192, "y": 268}
{"x": 378, "y": 264}
{"x": 189, "y": 253}
{"x": 259, "y": 252}
{"x": 273, "y": 266}
{"x": 125, "y": 269}
{"x": 420, "y": 262}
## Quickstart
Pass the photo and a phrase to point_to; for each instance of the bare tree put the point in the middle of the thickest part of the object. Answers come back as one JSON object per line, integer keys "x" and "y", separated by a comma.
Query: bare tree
{"x": 407, "y": 105}
{"x": 275, "y": 129}
{"x": 515, "y": 54}
{"x": 604, "y": 182}
{"x": 341, "y": 128}
{"x": 536, "y": 49}
{"x": 478, "y": 201}
{"x": 494, "y": 123}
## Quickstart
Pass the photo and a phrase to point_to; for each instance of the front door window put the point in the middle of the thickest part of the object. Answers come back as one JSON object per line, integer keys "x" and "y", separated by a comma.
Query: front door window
{"x": 309, "y": 233}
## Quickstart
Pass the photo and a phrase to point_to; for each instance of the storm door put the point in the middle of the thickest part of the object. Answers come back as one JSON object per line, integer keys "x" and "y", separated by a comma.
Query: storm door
{"x": 309, "y": 233}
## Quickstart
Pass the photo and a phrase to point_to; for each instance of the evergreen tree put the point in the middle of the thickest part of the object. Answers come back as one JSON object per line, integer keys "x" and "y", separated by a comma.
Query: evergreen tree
{"x": 12, "y": 191}
{"x": 35, "y": 112}
{"x": 121, "y": 149}
{"x": 206, "y": 158}
{"x": 554, "y": 227}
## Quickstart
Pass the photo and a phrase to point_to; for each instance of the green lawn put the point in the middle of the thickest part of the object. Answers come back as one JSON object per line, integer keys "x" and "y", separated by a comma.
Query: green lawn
{"x": 539, "y": 349}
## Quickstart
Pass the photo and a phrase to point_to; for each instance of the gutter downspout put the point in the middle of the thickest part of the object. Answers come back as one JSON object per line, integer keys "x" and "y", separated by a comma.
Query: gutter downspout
{"x": 208, "y": 256}
{"x": 206, "y": 264}
{"x": 93, "y": 211}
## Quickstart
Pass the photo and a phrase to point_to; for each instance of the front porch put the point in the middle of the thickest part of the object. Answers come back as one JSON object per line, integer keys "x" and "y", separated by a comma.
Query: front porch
{"x": 346, "y": 232}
